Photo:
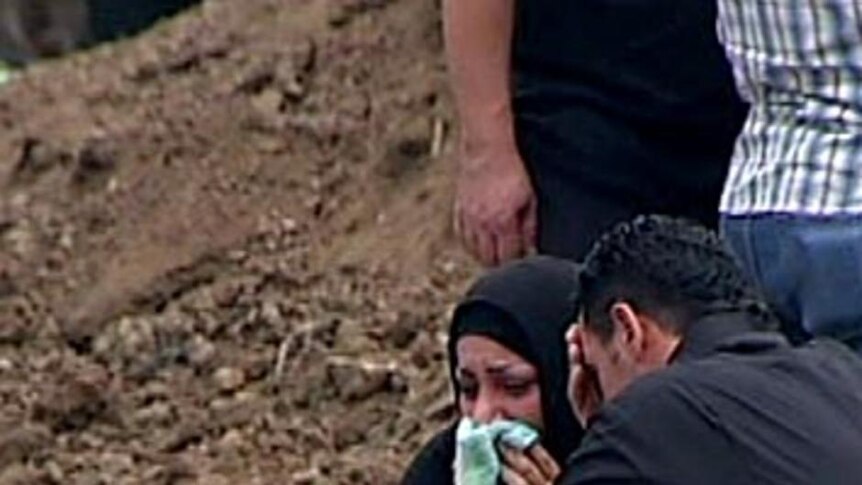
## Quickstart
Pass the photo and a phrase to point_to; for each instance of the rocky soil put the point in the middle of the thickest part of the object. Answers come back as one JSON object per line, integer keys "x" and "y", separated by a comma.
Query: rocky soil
{"x": 224, "y": 250}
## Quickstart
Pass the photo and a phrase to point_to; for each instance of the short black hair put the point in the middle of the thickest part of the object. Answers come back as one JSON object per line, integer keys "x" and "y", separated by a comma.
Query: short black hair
{"x": 672, "y": 269}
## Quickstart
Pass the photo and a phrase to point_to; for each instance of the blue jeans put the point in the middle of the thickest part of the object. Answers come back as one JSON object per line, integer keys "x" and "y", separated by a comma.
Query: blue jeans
{"x": 809, "y": 268}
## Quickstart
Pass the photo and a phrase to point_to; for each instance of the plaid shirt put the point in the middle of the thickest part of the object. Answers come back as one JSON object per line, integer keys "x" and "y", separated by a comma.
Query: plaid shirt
{"x": 799, "y": 64}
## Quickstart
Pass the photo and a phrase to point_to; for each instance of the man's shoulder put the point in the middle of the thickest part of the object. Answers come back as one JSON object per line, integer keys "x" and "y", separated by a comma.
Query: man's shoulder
{"x": 715, "y": 389}
{"x": 716, "y": 413}
{"x": 660, "y": 408}
{"x": 672, "y": 382}
{"x": 655, "y": 396}
{"x": 677, "y": 391}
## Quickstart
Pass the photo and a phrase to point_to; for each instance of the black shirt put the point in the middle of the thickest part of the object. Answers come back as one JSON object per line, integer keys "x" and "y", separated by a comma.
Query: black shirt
{"x": 734, "y": 408}
{"x": 627, "y": 95}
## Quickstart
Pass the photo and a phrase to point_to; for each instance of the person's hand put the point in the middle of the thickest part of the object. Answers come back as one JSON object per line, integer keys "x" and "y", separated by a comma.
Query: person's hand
{"x": 495, "y": 206}
{"x": 585, "y": 392}
{"x": 531, "y": 467}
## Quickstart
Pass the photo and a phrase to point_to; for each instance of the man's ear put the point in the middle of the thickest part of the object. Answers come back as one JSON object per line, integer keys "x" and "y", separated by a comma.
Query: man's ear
{"x": 629, "y": 330}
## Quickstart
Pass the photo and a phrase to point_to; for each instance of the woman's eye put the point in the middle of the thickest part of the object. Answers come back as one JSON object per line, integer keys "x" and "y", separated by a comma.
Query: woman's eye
{"x": 518, "y": 388}
{"x": 468, "y": 390}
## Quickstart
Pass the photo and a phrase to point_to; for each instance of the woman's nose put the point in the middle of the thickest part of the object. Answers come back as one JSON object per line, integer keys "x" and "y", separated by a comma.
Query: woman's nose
{"x": 486, "y": 409}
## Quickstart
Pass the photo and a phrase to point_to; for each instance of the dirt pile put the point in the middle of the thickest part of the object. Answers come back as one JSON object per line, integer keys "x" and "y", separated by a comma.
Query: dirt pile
{"x": 223, "y": 250}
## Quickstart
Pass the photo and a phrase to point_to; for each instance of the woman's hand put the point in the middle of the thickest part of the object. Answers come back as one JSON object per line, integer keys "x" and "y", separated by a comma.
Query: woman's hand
{"x": 531, "y": 467}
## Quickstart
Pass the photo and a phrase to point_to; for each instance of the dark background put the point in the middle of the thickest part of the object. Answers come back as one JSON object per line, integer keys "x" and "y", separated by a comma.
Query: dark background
{"x": 35, "y": 29}
{"x": 110, "y": 19}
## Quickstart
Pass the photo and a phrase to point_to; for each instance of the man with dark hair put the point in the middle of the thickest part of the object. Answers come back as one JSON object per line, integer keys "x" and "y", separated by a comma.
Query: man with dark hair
{"x": 668, "y": 267}
{"x": 680, "y": 378}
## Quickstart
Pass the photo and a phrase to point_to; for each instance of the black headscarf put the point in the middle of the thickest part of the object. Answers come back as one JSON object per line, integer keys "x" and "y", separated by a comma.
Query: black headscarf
{"x": 526, "y": 306}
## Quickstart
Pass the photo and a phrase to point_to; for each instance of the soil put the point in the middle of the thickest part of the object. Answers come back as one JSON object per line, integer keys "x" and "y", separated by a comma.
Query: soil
{"x": 224, "y": 250}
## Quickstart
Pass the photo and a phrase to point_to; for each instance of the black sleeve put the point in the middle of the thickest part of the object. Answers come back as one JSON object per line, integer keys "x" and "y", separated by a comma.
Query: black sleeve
{"x": 433, "y": 465}
{"x": 599, "y": 462}
{"x": 662, "y": 433}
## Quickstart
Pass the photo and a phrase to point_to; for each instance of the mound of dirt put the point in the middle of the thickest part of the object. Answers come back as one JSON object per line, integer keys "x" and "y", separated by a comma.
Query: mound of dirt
{"x": 224, "y": 250}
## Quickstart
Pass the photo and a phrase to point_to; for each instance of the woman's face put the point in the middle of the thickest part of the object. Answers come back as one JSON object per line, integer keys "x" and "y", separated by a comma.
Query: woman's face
{"x": 496, "y": 383}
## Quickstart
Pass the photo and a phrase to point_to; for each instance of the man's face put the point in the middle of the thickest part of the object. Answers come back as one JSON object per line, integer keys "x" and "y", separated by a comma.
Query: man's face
{"x": 637, "y": 346}
{"x": 609, "y": 364}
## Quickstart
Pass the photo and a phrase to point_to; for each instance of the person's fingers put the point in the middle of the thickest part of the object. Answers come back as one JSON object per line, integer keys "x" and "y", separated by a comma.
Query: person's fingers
{"x": 576, "y": 395}
{"x": 586, "y": 398}
{"x": 576, "y": 349}
{"x": 578, "y": 335}
{"x": 546, "y": 463}
{"x": 508, "y": 246}
{"x": 511, "y": 477}
{"x": 485, "y": 246}
{"x": 576, "y": 357}
{"x": 578, "y": 379}
{"x": 529, "y": 225}
{"x": 571, "y": 334}
{"x": 575, "y": 345}
{"x": 518, "y": 236}
{"x": 464, "y": 231}
{"x": 571, "y": 346}
{"x": 510, "y": 239}
{"x": 524, "y": 466}
{"x": 477, "y": 240}
{"x": 583, "y": 387}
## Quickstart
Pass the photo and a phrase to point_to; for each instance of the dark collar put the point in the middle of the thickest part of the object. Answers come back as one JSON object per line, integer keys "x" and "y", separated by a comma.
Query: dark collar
{"x": 725, "y": 332}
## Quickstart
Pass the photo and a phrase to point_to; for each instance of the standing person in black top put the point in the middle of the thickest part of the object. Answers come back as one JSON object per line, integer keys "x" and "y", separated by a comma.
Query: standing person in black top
{"x": 680, "y": 377}
{"x": 507, "y": 360}
{"x": 577, "y": 114}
